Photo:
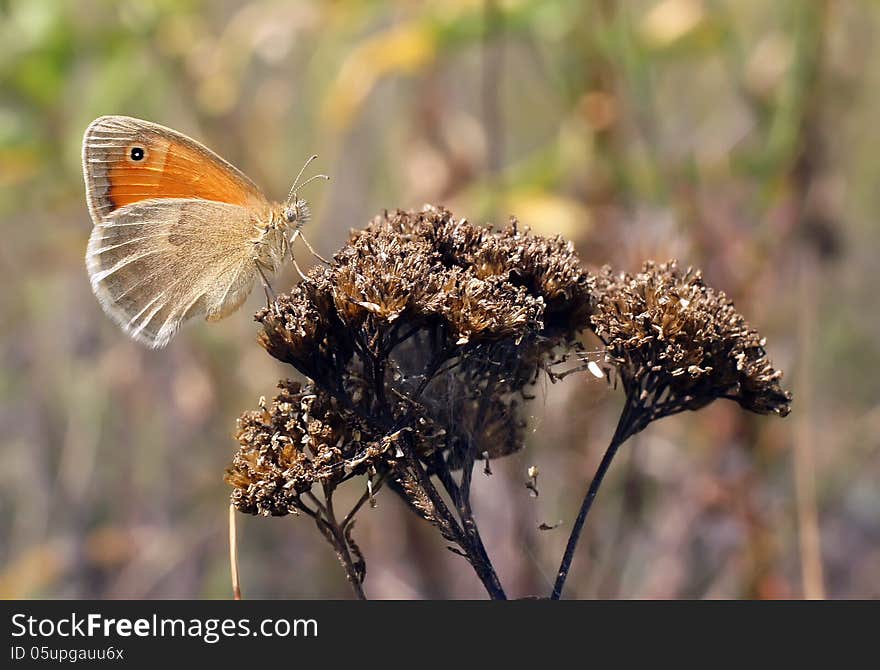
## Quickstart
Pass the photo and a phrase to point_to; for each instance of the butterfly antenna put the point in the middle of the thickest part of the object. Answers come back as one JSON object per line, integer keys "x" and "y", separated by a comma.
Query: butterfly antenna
{"x": 296, "y": 185}
{"x": 313, "y": 178}
{"x": 298, "y": 176}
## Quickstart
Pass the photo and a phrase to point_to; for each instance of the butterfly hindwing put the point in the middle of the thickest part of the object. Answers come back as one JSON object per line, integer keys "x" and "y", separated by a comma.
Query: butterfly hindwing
{"x": 156, "y": 263}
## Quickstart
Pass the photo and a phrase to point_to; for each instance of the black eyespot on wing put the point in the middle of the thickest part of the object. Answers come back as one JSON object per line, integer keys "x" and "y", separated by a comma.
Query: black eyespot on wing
{"x": 137, "y": 153}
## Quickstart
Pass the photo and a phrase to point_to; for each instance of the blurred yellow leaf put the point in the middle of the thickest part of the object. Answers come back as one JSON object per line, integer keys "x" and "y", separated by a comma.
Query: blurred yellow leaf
{"x": 550, "y": 214}
{"x": 32, "y": 571}
{"x": 670, "y": 20}
{"x": 403, "y": 49}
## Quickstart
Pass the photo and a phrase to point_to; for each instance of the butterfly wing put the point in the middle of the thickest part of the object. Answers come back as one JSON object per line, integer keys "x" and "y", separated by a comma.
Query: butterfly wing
{"x": 127, "y": 160}
{"x": 174, "y": 226}
{"x": 156, "y": 263}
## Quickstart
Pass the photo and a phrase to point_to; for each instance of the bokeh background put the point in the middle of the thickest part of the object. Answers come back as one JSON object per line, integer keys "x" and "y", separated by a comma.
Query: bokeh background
{"x": 738, "y": 136}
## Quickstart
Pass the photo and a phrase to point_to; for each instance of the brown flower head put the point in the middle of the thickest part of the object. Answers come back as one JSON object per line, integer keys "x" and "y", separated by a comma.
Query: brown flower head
{"x": 679, "y": 344}
{"x": 301, "y": 439}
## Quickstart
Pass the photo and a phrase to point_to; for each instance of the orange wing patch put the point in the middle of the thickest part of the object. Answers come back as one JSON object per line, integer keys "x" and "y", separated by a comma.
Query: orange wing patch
{"x": 128, "y": 160}
{"x": 169, "y": 171}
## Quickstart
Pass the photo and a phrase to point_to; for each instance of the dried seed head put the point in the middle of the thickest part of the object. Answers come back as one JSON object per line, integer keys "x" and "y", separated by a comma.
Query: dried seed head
{"x": 679, "y": 344}
{"x": 302, "y": 438}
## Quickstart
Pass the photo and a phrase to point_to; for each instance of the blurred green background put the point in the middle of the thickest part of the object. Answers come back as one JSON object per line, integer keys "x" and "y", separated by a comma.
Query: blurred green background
{"x": 741, "y": 137}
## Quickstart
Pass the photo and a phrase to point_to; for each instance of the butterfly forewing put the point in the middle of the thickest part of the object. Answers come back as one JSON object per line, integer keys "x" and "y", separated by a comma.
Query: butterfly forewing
{"x": 127, "y": 160}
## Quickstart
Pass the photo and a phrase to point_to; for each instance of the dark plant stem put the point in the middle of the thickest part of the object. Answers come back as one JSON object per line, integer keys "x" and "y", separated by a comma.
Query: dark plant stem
{"x": 482, "y": 565}
{"x": 336, "y": 538}
{"x": 334, "y": 533}
{"x": 471, "y": 542}
{"x": 623, "y": 431}
{"x": 464, "y": 534}
{"x": 465, "y": 512}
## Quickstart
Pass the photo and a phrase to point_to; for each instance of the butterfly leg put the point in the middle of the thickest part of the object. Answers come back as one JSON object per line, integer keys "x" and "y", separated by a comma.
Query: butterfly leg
{"x": 267, "y": 287}
{"x": 289, "y": 250}
{"x": 296, "y": 267}
{"x": 298, "y": 233}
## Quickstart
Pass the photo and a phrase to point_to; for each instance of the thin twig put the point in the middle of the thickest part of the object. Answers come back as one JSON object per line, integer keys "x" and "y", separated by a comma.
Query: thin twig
{"x": 471, "y": 542}
{"x": 233, "y": 554}
{"x": 366, "y": 496}
{"x": 321, "y": 509}
{"x": 623, "y": 431}
{"x": 809, "y": 535}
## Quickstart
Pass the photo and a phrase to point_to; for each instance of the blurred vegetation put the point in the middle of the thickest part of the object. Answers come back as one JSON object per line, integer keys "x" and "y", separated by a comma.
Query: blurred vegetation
{"x": 740, "y": 137}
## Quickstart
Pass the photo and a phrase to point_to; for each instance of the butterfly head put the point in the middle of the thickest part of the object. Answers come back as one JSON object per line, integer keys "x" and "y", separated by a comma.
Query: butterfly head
{"x": 297, "y": 212}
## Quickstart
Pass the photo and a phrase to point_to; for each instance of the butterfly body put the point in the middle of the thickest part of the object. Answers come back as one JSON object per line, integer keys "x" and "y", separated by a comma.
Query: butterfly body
{"x": 178, "y": 232}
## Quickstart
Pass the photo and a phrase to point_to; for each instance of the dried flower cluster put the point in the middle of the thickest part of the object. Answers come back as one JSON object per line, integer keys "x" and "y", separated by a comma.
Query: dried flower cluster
{"x": 302, "y": 439}
{"x": 678, "y": 344}
{"x": 416, "y": 319}
{"x": 420, "y": 342}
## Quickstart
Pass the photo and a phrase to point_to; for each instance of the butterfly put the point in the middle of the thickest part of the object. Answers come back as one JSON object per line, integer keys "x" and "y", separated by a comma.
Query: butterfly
{"x": 178, "y": 232}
